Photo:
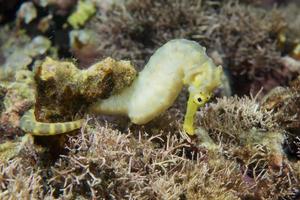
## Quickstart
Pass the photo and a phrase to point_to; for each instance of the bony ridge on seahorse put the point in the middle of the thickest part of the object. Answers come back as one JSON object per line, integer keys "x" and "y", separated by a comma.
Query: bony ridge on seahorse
{"x": 177, "y": 63}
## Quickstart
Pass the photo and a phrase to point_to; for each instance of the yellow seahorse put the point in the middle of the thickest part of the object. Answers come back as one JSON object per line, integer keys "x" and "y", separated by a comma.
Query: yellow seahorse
{"x": 177, "y": 63}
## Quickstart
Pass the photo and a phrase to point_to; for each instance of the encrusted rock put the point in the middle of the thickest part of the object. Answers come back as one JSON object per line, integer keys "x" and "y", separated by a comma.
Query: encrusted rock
{"x": 63, "y": 89}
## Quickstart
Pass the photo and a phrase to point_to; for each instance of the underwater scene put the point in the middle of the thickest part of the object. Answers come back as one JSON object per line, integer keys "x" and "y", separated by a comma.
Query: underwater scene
{"x": 150, "y": 99}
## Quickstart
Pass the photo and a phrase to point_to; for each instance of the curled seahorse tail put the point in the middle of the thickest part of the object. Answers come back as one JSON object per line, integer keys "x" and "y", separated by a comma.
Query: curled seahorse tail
{"x": 29, "y": 124}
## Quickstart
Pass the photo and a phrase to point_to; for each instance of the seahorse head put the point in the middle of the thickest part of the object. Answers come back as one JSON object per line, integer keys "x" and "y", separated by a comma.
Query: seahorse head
{"x": 201, "y": 86}
{"x": 205, "y": 82}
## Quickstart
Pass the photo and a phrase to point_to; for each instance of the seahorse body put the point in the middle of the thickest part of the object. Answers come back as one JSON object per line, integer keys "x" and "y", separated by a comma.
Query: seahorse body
{"x": 179, "y": 62}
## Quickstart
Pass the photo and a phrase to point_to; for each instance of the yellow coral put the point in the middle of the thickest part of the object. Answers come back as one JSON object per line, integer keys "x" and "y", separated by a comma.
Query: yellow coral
{"x": 85, "y": 9}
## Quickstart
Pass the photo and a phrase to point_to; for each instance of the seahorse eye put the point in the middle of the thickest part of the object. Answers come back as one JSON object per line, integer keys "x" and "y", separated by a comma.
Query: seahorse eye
{"x": 198, "y": 99}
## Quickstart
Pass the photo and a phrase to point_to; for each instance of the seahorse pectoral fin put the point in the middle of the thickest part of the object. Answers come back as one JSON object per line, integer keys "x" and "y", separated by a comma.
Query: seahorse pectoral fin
{"x": 29, "y": 124}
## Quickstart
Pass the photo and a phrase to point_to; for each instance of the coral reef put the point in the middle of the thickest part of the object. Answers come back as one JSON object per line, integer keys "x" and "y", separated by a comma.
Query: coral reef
{"x": 19, "y": 52}
{"x": 251, "y": 135}
{"x": 245, "y": 147}
{"x": 245, "y": 37}
{"x": 104, "y": 163}
{"x": 83, "y": 46}
{"x": 17, "y": 97}
{"x": 57, "y": 7}
{"x": 107, "y": 164}
{"x": 84, "y": 11}
{"x": 27, "y": 12}
{"x": 9, "y": 150}
{"x": 284, "y": 102}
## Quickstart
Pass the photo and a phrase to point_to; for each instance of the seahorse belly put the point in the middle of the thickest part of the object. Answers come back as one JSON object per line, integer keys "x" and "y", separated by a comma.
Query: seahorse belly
{"x": 147, "y": 103}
